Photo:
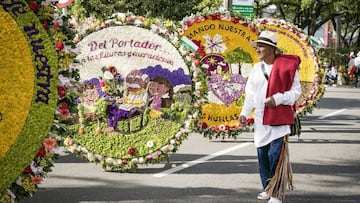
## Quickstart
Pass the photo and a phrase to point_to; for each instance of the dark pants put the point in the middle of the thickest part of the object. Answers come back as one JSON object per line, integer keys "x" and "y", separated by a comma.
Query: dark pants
{"x": 268, "y": 157}
{"x": 356, "y": 78}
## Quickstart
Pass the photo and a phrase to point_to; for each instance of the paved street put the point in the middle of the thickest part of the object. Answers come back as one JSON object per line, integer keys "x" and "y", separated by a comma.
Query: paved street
{"x": 325, "y": 161}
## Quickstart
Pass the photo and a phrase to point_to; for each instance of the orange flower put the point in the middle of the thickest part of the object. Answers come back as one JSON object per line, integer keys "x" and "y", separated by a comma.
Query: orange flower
{"x": 49, "y": 143}
{"x": 36, "y": 180}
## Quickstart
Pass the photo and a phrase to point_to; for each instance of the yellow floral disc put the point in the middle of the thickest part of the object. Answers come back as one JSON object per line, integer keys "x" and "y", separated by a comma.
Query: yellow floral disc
{"x": 28, "y": 95}
{"x": 17, "y": 74}
{"x": 220, "y": 36}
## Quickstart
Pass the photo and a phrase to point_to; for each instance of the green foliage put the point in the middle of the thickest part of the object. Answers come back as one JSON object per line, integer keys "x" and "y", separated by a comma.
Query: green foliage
{"x": 100, "y": 107}
{"x": 238, "y": 55}
{"x": 177, "y": 112}
{"x": 101, "y": 9}
{"x": 167, "y": 9}
{"x": 312, "y": 14}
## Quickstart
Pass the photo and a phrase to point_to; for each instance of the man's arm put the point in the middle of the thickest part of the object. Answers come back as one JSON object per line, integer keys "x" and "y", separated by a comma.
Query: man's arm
{"x": 288, "y": 97}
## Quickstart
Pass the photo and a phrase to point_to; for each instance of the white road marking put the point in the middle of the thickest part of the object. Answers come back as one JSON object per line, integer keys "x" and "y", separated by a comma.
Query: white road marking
{"x": 201, "y": 160}
{"x": 331, "y": 114}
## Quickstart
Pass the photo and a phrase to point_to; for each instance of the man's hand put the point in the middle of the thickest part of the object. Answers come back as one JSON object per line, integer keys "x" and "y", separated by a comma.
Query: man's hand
{"x": 242, "y": 120}
{"x": 270, "y": 102}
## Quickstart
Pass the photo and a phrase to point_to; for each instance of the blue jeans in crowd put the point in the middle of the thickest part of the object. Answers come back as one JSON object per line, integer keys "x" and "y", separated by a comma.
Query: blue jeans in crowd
{"x": 268, "y": 157}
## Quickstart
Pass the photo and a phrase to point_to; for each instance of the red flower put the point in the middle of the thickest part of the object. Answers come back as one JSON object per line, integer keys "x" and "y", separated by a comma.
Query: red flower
{"x": 249, "y": 121}
{"x": 124, "y": 161}
{"x": 61, "y": 91}
{"x": 235, "y": 20}
{"x": 131, "y": 151}
{"x": 189, "y": 23}
{"x": 56, "y": 25}
{"x": 33, "y": 6}
{"x": 201, "y": 49}
{"x": 216, "y": 16}
{"x": 27, "y": 170}
{"x": 46, "y": 25}
{"x": 202, "y": 125}
{"x": 42, "y": 152}
{"x": 197, "y": 20}
{"x": 60, "y": 46}
{"x": 64, "y": 110}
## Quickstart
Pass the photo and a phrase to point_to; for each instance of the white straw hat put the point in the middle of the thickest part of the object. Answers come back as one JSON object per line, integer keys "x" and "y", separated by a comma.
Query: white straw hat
{"x": 267, "y": 37}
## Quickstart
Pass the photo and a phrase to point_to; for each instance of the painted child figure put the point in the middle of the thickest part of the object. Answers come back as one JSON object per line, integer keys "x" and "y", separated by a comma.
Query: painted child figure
{"x": 161, "y": 92}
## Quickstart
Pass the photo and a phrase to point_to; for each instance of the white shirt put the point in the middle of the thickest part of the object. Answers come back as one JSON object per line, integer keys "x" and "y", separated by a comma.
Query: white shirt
{"x": 255, "y": 92}
{"x": 357, "y": 61}
{"x": 351, "y": 62}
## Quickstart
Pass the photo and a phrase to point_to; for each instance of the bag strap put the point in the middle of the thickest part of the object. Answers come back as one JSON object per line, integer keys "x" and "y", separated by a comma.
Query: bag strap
{"x": 263, "y": 70}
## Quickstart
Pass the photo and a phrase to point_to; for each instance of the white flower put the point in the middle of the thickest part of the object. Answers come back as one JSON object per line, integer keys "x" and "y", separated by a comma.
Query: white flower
{"x": 84, "y": 150}
{"x": 109, "y": 160}
{"x": 135, "y": 160}
{"x": 119, "y": 162}
{"x": 141, "y": 160}
{"x": 90, "y": 157}
{"x": 116, "y": 162}
{"x": 150, "y": 144}
{"x": 36, "y": 169}
{"x": 164, "y": 148}
{"x": 59, "y": 150}
{"x": 171, "y": 147}
{"x": 138, "y": 22}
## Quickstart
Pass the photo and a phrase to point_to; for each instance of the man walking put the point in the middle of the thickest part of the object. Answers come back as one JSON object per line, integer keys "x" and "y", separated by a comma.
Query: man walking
{"x": 272, "y": 89}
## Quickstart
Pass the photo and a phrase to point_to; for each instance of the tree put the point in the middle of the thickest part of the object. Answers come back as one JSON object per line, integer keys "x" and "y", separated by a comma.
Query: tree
{"x": 310, "y": 15}
{"x": 168, "y": 9}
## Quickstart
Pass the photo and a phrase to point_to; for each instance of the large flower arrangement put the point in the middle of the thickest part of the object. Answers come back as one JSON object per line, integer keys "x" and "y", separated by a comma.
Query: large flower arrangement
{"x": 205, "y": 73}
{"x": 151, "y": 141}
{"x": 28, "y": 99}
{"x": 293, "y": 41}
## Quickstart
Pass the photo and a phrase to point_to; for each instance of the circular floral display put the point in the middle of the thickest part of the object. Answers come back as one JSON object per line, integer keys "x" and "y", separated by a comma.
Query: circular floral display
{"x": 224, "y": 57}
{"x": 134, "y": 93}
{"x": 292, "y": 40}
{"x": 28, "y": 91}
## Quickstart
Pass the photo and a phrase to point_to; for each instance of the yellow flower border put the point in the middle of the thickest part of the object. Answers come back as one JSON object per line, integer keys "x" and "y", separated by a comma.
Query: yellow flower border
{"x": 44, "y": 95}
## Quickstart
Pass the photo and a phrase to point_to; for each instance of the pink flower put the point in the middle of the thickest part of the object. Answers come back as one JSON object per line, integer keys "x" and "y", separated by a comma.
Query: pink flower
{"x": 36, "y": 180}
{"x": 222, "y": 127}
{"x": 49, "y": 143}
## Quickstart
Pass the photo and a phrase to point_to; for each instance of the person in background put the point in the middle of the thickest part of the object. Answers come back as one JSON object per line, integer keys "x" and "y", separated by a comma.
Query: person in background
{"x": 351, "y": 67}
{"x": 357, "y": 73}
{"x": 334, "y": 75}
{"x": 272, "y": 89}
